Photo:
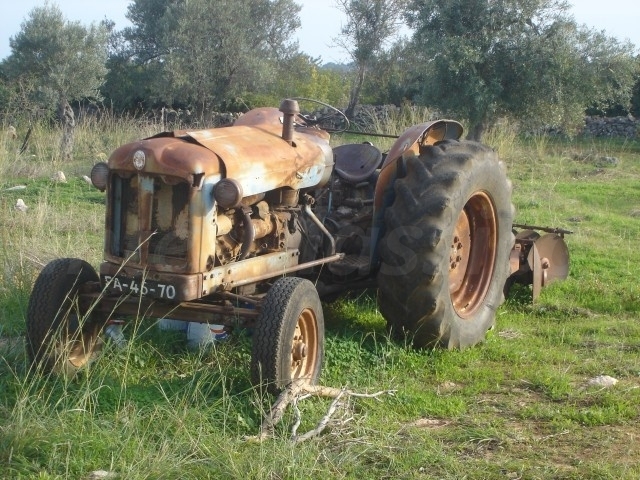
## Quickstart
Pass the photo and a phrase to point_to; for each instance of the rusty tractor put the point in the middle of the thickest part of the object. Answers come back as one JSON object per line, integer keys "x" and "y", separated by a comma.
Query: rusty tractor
{"x": 248, "y": 226}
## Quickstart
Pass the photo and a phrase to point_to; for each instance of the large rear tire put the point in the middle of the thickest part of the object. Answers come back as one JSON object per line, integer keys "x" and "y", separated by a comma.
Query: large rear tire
{"x": 445, "y": 251}
{"x": 61, "y": 337}
{"x": 288, "y": 341}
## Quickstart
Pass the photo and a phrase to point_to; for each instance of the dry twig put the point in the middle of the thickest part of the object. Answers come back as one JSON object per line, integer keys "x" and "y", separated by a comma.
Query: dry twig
{"x": 297, "y": 391}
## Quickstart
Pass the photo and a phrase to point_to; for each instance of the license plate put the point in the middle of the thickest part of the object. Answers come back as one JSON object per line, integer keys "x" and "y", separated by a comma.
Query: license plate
{"x": 146, "y": 288}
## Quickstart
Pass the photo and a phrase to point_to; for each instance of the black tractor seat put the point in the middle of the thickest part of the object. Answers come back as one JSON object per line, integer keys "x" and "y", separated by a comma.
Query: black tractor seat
{"x": 356, "y": 162}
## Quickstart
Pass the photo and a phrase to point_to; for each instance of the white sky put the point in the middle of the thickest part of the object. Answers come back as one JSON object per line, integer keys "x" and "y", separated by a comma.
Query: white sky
{"x": 321, "y": 21}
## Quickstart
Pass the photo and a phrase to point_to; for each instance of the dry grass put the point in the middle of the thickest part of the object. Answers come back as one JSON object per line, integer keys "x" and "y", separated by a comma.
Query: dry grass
{"x": 517, "y": 406}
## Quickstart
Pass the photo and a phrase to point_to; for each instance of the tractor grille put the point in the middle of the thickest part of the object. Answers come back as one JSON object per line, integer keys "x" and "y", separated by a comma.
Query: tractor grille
{"x": 149, "y": 219}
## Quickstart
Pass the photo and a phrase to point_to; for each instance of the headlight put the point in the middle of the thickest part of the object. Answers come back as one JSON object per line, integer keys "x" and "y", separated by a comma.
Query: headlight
{"x": 228, "y": 193}
{"x": 100, "y": 176}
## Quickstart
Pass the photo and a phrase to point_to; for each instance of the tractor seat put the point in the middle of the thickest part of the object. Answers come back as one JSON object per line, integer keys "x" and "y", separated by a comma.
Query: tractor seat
{"x": 356, "y": 162}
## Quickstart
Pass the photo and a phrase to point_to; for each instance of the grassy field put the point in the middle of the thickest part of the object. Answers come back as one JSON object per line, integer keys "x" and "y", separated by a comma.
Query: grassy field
{"x": 519, "y": 406}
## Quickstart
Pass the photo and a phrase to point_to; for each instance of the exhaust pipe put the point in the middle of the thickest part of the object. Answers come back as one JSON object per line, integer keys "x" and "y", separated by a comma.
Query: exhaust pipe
{"x": 290, "y": 109}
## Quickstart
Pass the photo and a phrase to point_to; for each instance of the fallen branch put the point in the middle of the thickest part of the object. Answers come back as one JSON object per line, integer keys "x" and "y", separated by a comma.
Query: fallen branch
{"x": 294, "y": 393}
{"x": 323, "y": 422}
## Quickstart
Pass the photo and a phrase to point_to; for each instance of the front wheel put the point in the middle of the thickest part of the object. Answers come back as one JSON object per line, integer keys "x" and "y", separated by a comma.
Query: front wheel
{"x": 445, "y": 252}
{"x": 61, "y": 336}
{"x": 288, "y": 342}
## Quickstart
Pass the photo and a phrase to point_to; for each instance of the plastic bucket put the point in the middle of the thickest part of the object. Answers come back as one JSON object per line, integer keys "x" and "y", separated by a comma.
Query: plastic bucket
{"x": 170, "y": 324}
{"x": 204, "y": 334}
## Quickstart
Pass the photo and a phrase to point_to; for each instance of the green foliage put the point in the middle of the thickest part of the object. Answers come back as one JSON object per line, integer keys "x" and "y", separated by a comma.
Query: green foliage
{"x": 300, "y": 76}
{"x": 526, "y": 59}
{"x": 54, "y": 59}
{"x": 131, "y": 86}
{"x": 191, "y": 54}
{"x": 370, "y": 25}
{"x": 392, "y": 80}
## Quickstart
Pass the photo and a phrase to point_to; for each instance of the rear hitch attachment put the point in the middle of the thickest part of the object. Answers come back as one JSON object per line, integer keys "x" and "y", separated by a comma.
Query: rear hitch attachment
{"x": 538, "y": 260}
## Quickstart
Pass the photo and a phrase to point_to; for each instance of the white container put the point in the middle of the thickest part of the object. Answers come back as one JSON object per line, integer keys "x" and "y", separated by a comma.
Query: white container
{"x": 113, "y": 332}
{"x": 174, "y": 325}
{"x": 205, "y": 334}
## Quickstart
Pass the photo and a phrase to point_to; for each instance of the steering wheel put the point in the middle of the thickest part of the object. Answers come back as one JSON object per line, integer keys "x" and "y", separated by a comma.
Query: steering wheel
{"x": 335, "y": 121}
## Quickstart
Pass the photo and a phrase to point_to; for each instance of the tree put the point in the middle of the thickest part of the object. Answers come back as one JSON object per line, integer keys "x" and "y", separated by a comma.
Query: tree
{"x": 370, "y": 25}
{"x": 301, "y": 76}
{"x": 64, "y": 61}
{"x": 221, "y": 51}
{"x": 394, "y": 81}
{"x": 202, "y": 52}
{"x": 635, "y": 97}
{"x": 152, "y": 22}
{"x": 520, "y": 58}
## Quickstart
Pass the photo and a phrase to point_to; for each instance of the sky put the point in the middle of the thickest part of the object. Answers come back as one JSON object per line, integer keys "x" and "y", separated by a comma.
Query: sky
{"x": 321, "y": 20}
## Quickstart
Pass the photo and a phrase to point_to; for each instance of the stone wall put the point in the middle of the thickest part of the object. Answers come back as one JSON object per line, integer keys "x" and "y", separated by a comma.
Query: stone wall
{"x": 627, "y": 127}
{"x": 371, "y": 116}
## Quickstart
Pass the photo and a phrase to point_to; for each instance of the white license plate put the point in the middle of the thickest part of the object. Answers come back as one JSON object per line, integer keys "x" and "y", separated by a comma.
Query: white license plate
{"x": 146, "y": 288}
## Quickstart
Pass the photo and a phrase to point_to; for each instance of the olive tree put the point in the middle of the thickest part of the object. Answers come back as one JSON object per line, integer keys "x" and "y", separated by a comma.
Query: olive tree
{"x": 520, "y": 58}
{"x": 219, "y": 52}
{"x": 370, "y": 25}
{"x": 63, "y": 61}
{"x": 200, "y": 52}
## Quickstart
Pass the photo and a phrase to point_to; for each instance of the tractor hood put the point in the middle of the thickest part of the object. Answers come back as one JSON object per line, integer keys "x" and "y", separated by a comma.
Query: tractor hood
{"x": 253, "y": 153}
{"x": 166, "y": 155}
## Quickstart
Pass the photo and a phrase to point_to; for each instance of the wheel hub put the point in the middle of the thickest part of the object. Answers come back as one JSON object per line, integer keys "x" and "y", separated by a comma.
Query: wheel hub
{"x": 299, "y": 352}
{"x": 457, "y": 249}
{"x": 304, "y": 346}
{"x": 298, "y": 348}
{"x": 460, "y": 251}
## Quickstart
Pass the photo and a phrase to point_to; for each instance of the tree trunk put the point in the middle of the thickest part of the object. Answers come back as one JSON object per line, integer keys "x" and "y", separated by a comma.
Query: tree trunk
{"x": 355, "y": 92}
{"x": 68, "y": 121}
{"x": 477, "y": 130}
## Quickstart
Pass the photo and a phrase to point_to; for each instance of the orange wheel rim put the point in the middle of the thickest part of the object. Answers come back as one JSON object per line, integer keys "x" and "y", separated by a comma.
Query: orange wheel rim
{"x": 304, "y": 346}
{"x": 83, "y": 348}
{"x": 472, "y": 255}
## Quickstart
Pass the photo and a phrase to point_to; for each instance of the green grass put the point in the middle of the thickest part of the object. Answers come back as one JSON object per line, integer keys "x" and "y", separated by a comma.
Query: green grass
{"x": 516, "y": 406}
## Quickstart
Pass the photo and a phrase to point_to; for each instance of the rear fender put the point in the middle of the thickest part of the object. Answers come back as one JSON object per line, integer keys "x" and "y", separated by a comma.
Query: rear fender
{"x": 409, "y": 143}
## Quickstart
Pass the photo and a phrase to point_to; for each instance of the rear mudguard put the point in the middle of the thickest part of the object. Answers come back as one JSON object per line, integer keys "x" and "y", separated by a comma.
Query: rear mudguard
{"x": 409, "y": 143}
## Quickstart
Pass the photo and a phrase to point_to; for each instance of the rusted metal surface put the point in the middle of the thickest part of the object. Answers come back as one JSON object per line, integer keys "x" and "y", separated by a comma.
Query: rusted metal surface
{"x": 260, "y": 268}
{"x": 560, "y": 231}
{"x": 289, "y": 109}
{"x": 332, "y": 243}
{"x": 124, "y": 280}
{"x": 161, "y": 221}
{"x": 241, "y": 273}
{"x": 201, "y": 223}
{"x": 169, "y": 242}
{"x": 538, "y": 260}
{"x": 170, "y": 156}
{"x": 141, "y": 281}
{"x": 274, "y": 162}
{"x": 422, "y": 135}
{"x": 254, "y": 140}
{"x": 554, "y": 258}
{"x": 305, "y": 346}
{"x": 473, "y": 252}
